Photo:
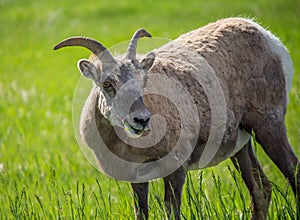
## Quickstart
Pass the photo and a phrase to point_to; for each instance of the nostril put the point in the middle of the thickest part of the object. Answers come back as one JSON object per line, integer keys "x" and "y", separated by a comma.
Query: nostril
{"x": 136, "y": 120}
{"x": 141, "y": 121}
{"x": 147, "y": 120}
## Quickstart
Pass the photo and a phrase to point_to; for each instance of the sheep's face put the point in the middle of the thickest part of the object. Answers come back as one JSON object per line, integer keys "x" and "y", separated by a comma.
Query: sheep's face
{"x": 120, "y": 82}
{"x": 121, "y": 86}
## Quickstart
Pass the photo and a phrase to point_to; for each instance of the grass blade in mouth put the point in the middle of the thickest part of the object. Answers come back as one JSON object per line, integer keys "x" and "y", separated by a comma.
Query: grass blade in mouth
{"x": 135, "y": 130}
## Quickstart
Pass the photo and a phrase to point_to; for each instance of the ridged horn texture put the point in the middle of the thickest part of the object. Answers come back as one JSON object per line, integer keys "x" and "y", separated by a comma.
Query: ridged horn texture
{"x": 131, "y": 52}
{"x": 92, "y": 45}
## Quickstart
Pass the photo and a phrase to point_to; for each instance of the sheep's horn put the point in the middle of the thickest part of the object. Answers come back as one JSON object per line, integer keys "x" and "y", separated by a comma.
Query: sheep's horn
{"x": 131, "y": 53}
{"x": 93, "y": 45}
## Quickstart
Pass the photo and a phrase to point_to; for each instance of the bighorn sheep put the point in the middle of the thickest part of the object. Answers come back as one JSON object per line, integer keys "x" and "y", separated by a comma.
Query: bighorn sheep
{"x": 254, "y": 71}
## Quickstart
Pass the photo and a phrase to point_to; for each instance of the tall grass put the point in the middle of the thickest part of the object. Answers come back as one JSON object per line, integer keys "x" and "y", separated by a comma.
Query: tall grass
{"x": 43, "y": 174}
{"x": 205, "y": 196}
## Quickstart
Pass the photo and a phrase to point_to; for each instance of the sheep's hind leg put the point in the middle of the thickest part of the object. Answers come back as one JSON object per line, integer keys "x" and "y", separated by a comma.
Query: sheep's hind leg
{"x": 140, "y": 192}
{"x": 271, "y": 134}
{"x": 256, "y": 181}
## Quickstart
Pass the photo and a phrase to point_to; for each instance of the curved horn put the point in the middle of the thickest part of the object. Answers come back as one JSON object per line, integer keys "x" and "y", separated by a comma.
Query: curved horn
{"x": 131, "y": 53}
{"x": 92, "y": 45}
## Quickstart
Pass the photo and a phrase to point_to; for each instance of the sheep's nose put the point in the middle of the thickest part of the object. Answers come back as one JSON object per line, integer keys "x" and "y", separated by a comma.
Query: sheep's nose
{"x": 141, "y": 119}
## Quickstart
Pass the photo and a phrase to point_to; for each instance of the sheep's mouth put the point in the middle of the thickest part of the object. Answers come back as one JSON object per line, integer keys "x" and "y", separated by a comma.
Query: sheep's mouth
{"x": 133, "y": 131}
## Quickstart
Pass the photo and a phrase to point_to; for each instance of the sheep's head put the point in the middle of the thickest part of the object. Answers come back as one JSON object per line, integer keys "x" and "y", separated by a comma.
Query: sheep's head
{"x": 121, "y": 82}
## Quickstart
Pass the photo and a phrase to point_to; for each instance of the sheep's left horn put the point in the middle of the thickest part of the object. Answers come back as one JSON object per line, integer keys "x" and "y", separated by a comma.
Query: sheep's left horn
{"x": 92, "y": 45}
{"x": 131, "y": 53}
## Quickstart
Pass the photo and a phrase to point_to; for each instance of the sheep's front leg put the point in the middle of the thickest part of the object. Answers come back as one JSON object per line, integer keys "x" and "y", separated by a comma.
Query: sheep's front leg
{"x": 173, "y": 189}
{"x": 140, "y": 192}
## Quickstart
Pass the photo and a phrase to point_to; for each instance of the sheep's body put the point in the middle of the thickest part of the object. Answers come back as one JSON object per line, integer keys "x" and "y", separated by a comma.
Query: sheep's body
{"x": 248, "y": 60}
{"x": 240, "y": 53}
{"x": 254, "y": 71}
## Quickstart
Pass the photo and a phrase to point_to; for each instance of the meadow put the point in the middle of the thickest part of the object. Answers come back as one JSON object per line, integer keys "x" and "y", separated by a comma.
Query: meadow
{"x": 44, "y": 175}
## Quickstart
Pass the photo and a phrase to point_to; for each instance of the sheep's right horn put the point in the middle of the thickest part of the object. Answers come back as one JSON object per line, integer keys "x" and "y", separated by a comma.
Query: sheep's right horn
{"x": 131, "y": 53}
{"x": 92, "y": 45}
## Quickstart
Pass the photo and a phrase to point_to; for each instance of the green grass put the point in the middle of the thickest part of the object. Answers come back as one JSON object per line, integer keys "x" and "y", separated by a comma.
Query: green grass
{"x": 44, "y": 174}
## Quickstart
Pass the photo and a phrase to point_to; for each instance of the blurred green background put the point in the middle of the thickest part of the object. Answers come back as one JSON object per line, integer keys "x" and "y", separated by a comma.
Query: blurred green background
{"x": 43, "y": 174}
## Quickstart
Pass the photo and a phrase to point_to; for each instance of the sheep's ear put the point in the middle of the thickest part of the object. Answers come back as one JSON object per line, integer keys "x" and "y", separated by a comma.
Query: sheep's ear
{"x": 148, "y": 61}
{"x": 88, "y": 70}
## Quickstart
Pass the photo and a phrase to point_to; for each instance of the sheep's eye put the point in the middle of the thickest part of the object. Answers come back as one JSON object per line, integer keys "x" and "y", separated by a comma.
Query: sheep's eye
{"x": 106, "y": 85}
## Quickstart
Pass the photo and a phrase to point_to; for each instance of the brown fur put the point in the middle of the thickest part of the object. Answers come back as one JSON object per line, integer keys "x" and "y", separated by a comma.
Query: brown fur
{"x": 254, "y": 86}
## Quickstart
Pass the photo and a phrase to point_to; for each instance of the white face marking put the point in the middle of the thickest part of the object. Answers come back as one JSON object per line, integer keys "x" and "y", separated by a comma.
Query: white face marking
{"x": 126, "y": 85}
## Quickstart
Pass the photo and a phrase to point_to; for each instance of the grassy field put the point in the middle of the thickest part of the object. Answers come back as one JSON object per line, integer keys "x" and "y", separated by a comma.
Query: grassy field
{"x": 43, "y": 174}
